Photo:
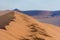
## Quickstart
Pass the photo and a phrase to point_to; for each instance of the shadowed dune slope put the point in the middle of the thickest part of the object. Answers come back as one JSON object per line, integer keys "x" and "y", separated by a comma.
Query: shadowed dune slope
{"x": 18, "y": 26}
{"x": 5, "y": 19}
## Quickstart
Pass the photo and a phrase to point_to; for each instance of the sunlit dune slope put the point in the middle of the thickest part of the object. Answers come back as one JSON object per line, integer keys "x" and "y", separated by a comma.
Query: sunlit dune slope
{"x": 4, "y": 35}
{"x": 18, "y": 26}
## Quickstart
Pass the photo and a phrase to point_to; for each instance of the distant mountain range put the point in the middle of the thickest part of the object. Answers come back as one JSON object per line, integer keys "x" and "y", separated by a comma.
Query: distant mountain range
{"x": 52, "y": 17}
{"x": 40, "y": 12}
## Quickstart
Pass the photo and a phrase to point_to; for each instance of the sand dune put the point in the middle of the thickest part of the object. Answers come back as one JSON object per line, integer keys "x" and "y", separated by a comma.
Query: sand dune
{"x": 17, "y": 26}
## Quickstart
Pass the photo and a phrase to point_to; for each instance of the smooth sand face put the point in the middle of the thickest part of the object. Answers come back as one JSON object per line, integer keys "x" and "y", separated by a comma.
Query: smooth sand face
{"x": 19, "y": 26}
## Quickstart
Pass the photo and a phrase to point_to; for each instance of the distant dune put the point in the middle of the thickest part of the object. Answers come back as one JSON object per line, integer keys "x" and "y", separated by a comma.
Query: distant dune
{"x": 18, "y": 26}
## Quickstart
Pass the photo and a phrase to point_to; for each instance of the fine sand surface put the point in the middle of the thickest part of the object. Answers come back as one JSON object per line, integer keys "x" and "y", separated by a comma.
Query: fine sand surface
{"x": 17, "y": 26}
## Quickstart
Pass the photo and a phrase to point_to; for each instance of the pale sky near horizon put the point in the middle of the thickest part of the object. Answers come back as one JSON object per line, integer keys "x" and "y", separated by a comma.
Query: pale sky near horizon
{"x": 30, "y": 4}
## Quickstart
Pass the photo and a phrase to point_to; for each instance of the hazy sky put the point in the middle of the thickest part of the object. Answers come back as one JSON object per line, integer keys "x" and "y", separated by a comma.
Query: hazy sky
{"x": 30, "y": 4}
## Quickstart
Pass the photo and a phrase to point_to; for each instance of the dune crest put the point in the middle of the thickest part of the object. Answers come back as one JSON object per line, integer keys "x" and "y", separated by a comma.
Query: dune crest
{"x": 19, "y": 26}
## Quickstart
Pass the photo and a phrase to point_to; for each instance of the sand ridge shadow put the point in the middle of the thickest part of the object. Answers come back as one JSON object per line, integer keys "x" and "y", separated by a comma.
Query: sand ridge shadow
{"x": 6, "y": 19}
